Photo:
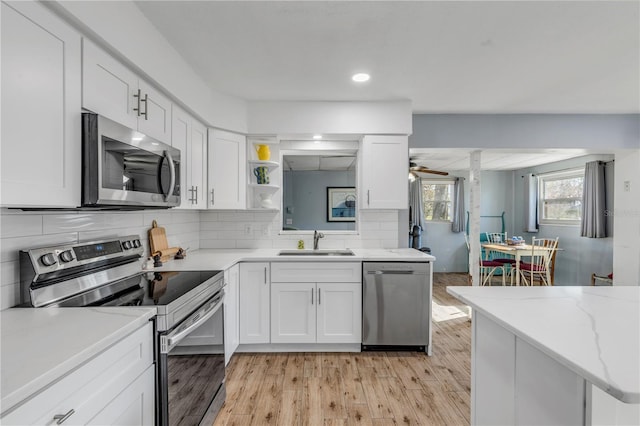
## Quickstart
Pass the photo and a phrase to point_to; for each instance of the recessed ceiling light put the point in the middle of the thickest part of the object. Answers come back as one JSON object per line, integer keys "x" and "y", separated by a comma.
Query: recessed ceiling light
{"x": 317, "y": 136}
{"x": 361, "y": 77}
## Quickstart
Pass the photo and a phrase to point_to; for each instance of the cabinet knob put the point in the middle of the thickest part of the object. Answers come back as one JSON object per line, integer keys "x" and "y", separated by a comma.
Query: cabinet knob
{"x": 62, "y": 417}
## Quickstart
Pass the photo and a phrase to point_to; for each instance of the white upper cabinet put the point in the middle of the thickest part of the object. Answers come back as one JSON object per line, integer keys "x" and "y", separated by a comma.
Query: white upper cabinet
{"x": 227, "y": 178}
{"x": 41, "y": 150}
{"x": 112, "y": 90}
{"x": 384, "y": 170}
{"x": 190, "y": 137}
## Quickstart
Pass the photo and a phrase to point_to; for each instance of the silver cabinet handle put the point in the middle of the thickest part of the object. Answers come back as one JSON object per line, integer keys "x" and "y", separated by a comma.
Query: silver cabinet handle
{"x": 195, "y": 199}
{"x": 265, "y": 274}
{"x": 146, "y": 106}
{"x": 312, "y": 296}
{"x": 137, "y": 96}
{"x": 319, "y": 296}
{"x": 212, "y": 197}
{"x": 368, "y": 197}
{"x": 62, "y": 417}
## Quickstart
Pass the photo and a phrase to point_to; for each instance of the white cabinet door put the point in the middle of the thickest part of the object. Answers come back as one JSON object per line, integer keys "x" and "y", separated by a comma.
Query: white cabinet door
{"x": 135, "y": 405}
{"x": 41, "y": 89}
{"x": 227, "y": 162}
{"x": 109, "y": 88}
{"x": 293, "y": 313}
{"x": 254, "y": 303}
{"x": 231, "y": 312}
{"x": 384, "y": 165}
{"x": 198, "y": 164}
{"x": 180, "y": 136}
{"x": 339, "y": 318}
{"x": 155, "y": 118}
{"x": 190, "y": 137}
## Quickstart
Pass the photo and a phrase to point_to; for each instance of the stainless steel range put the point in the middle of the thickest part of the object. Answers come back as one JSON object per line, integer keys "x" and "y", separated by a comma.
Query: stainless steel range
{"x": 189, "y": 326}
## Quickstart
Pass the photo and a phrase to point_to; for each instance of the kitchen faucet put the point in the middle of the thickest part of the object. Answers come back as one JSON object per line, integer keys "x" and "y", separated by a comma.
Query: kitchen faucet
{"x": 316, "y": 237}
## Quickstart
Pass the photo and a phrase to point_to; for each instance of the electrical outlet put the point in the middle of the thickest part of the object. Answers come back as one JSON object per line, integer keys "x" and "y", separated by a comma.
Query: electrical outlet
{"x": 248, "y": 230}
{"x": 627, "y": 185}
{"x": 266, "y": 230}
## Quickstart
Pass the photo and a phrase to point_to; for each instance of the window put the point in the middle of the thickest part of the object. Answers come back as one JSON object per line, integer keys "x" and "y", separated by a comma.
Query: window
{"x": 437, "y": 198}
{"x": 560, "y": 196}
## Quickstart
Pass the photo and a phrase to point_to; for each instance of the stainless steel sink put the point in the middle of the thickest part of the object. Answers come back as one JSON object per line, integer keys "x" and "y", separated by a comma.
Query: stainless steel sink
{"x": 345, "y": 252}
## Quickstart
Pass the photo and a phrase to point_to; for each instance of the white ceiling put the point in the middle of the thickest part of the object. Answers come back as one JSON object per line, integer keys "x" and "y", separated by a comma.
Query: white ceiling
{"x": 493, "y": 159}
{"x": 444, "y": 56}
{"x": 319, "y": 162}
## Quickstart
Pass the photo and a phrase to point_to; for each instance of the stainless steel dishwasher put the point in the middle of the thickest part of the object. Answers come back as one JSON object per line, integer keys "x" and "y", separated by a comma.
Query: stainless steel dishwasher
{"x": 396, "y": 306}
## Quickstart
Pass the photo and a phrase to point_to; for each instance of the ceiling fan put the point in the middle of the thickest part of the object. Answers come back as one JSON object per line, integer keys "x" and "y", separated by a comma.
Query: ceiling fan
{"x": 414, "y": 168}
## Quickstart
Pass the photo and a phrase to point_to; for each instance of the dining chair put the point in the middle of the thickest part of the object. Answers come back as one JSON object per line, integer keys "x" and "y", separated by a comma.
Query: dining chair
{"x": 507, "y": 262}
{"x": 487, "y": 267}
{"x": 539, "y": 265}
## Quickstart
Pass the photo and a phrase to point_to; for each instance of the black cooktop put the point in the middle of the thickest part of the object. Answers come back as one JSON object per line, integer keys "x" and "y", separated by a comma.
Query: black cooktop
{"x": 162, "y": 288}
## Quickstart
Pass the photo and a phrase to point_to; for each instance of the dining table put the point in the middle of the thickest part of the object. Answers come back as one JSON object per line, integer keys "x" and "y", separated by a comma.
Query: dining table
{"x": 519, "y": 251}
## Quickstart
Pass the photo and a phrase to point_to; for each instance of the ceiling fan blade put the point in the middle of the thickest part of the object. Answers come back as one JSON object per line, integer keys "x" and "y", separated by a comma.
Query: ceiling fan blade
{"x": 422, "y": 169}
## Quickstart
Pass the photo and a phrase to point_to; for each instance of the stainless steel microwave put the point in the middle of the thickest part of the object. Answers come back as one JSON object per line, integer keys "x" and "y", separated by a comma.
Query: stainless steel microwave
{"x": 125, "y": 168}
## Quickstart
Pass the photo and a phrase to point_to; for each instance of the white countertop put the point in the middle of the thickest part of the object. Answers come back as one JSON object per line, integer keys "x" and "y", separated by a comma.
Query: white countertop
{"x": 41, "y": 345}
{"x": 220, "y": 259}
{"x": 593, "y": 331}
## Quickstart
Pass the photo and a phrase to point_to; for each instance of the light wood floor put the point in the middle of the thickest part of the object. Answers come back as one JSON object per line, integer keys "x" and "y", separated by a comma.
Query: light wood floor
{"x": 370, "y": 388}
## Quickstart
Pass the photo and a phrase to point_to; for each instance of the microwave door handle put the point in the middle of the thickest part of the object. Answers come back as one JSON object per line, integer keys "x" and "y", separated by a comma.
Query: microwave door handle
{"x": 173, "y": 339}
{"x": 172, "y": 172}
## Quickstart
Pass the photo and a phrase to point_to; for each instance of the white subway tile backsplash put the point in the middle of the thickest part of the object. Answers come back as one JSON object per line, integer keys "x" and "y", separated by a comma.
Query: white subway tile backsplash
{"x": 185, "y": 228}
{"x": 17, "y": 225}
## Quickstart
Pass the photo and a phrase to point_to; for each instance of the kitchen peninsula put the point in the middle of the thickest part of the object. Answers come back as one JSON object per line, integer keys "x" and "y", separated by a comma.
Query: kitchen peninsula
{"x": 554, "y": 355}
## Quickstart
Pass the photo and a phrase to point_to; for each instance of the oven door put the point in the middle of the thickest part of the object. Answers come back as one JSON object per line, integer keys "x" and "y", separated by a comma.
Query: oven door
{"x": 123, "y": 167}
{"x": 191, "y": 367}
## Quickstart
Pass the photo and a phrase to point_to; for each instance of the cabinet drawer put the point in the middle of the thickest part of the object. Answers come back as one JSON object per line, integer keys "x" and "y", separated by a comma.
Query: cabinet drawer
{"x": 326, "y": 272}
{"x": 91, "y": 387}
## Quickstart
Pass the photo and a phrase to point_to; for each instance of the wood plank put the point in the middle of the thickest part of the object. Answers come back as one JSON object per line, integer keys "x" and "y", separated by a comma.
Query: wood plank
{"x": 294, "y": 373}
{"x": 398, "y": 402}
{"x": 359, "y": 415}
{"x": 375, "y": 394}
{"x": 332, "y": 395}
{"x": 312, "y": 401}
{"x": 291, "y": 407}
{"x": 462, "y": 401}
{"x": 269, "y": 400}
{"x": 312, "y": 365}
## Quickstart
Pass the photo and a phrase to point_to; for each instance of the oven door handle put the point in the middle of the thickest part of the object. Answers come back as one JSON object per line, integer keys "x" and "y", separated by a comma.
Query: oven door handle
{"x": 168, "y": 342}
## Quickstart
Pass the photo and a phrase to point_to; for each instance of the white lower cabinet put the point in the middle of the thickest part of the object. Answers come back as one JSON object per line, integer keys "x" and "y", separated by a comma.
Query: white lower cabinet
{"x": 115, "y": 387}
{"x": 316, "y": 312}
{"x": 254, "y": 302}
{"x": 316, "y": 302}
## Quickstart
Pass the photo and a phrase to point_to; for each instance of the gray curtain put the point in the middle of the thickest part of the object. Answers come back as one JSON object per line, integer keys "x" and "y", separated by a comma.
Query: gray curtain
{"x": 457, "y": 225}
{"x": 530, "y": 203}
{"x": 594, "y": 220}
{"x": 416, "y": 208}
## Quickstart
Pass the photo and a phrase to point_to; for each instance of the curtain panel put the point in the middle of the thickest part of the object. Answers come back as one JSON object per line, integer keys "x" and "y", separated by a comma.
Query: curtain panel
{"x": 530, "y": 203}
{"x": 457, "y": 224}
{"x": 594, "y": 220}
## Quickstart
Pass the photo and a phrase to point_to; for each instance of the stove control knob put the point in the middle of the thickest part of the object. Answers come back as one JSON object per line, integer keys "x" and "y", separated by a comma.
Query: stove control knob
{"x": 137, "y": 243}
{"x": 48, "y": 259}
{"x": 127, "y": 245}
{"x": 66, "y": 256}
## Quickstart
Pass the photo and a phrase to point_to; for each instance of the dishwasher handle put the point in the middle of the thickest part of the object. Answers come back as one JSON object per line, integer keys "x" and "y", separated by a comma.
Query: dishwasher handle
{"x": 399, "y": 272}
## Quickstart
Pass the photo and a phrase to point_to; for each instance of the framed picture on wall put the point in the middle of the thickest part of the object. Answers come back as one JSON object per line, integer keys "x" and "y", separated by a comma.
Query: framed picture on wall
{"x": 341, "y": 204}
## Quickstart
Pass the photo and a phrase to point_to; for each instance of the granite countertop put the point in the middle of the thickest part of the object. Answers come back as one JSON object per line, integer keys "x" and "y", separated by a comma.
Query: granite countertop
{"x": 41, "y": 345}
{"x": 220, "y": 259}
{"x": 593, "y": 331}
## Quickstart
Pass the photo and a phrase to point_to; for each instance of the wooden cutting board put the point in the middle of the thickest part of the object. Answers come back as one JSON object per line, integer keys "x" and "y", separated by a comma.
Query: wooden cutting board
{"x": 157, "y": 238}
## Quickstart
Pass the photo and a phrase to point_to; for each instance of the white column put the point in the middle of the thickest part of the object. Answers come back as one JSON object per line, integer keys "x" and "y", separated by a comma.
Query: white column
{"x": 474, "y": 217}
